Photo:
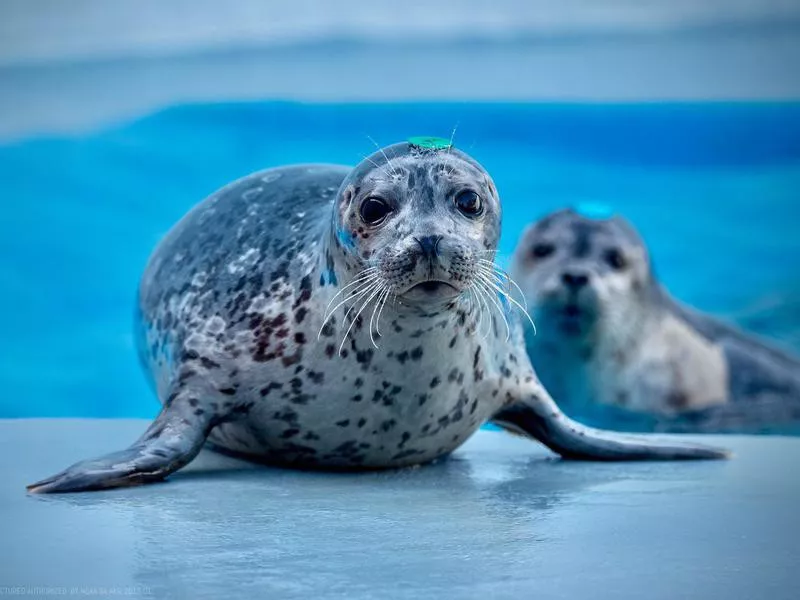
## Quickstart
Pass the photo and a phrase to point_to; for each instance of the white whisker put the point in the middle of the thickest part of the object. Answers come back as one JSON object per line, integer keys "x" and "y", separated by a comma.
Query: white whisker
{"x": 376, "y": 289}
{"x": 376, "y": 165}
{"x": 509, "y": 298}
{"x": 487, "y": 305}
{"x": 388, "y": 162}
{"x": 503, "y": 274}
{"x": 382, "y": 294}
{"x": 380, "y": 311}
{"x": 364, "y": 286}
{"x": 361, "y": 278}
{"x": 479, "y": 305}
{"x": 493, "y": 297}
{"x": 449, "y": 156}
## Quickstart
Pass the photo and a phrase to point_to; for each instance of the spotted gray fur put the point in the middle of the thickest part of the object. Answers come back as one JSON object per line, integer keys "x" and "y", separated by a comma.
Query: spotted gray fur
{"x": 616, "y": 348}
{"x": 233, "y": 333}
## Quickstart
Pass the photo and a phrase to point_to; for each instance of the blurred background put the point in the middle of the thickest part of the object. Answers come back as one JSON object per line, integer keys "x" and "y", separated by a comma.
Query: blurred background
{"x": 116, "y": 117}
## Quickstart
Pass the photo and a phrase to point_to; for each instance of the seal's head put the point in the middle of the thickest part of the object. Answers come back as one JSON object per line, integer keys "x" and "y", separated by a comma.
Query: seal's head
{"x": 419, "y": 216}
{"x": 581, "y": 274}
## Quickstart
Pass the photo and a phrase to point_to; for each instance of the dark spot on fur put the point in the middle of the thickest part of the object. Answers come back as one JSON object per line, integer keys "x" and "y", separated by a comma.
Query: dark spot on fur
{"x": 272, "y": 386}
{"x": 208, "y": 363}
{"x": 292, "y": 359}
{"x": 434, "y": 382}
{"x": 343, "y": 423}
{"x": 316, "y": 376}
{"x": 416, "y": 353}
{"x": 228, "y": 391}
{"x": 364, "y": 356}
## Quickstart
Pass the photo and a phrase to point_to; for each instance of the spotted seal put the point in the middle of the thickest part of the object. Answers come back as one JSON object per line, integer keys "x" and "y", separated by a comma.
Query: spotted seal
{"x": 327, "y": 317}
{"x": 614, "y": 347}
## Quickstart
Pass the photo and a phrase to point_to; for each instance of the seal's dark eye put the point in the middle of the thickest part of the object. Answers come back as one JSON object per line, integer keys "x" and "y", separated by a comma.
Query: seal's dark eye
{"x": 543, "y": 250}
{"x": 469, "y": 203}
{"x": 374, "y": 211}
{"x": 615, "y": 259}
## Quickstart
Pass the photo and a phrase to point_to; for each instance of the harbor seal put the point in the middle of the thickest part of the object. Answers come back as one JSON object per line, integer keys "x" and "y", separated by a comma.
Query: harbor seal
{"x": 327, "y": 317}
{"x": 614, "y": 347}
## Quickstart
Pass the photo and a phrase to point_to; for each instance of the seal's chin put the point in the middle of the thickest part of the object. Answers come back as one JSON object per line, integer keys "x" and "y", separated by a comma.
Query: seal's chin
{"x": 431, "y": 290}
{"x": 574, "y": 320}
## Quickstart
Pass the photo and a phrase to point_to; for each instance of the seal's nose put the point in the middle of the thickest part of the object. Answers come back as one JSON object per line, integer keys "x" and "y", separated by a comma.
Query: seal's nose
{"x": 574, "y": 281}
{"x": 429, "y": 245}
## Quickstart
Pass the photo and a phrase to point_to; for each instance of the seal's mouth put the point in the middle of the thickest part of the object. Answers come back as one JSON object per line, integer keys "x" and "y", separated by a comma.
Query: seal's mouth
{"x": 431, "y": 289}
{"x": 573, "y": 319}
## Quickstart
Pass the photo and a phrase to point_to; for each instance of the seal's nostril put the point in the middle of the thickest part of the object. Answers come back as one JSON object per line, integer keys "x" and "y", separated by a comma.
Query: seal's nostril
{"x": 574, "y": 280}
{"x": 429, "y": 245}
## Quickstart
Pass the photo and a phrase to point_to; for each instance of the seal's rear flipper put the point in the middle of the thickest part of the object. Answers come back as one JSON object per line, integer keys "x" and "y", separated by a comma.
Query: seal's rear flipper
{"x": 538, "y": 416}
{"x": 171, "y": 442}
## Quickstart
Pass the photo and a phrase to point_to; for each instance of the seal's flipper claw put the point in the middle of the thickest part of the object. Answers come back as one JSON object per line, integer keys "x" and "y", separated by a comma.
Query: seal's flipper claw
{"x": 170, "y": 443}
{"x": 539, "y": 417}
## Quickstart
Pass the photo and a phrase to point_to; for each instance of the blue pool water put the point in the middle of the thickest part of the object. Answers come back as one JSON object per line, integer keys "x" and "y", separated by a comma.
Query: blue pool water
{"x": 714, "y": 188}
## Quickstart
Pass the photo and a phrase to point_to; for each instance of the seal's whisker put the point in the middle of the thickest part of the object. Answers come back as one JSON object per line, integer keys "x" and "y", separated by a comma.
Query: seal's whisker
{"x": 360, "y": 279}
{"x": 449, "y": 155}
{"x": 493, "y": 298}
{"x": 356, "y": 293}
{"x": 474, "y": 304}
{"x": 377, "y": 166}
{"x": 368, "y": 287}
{"x": 388, "y": 161}
{"x": 374, "y": 291}
{"x": 481, "y": 306}
{"x": 507, "y": 294}
{"x": 509, "y": 298}
{"x": 503, "y": 274}
{"x": 349, "y": 296}
{"x": 380, "y": 310}
{"x": 381, "y": 294}
{"x": 487, "y": 303}
{"x": 484, "y": 307}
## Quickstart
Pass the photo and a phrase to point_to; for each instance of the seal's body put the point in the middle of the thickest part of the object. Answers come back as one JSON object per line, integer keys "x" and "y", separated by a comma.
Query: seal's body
{"x": 326, "y": 317}
{"x": 614, "y": 345}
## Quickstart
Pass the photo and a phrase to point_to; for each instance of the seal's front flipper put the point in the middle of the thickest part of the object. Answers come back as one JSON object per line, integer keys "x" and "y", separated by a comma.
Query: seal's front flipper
{"x": 538, "y": 416}
{"x": 171, "y": 442}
